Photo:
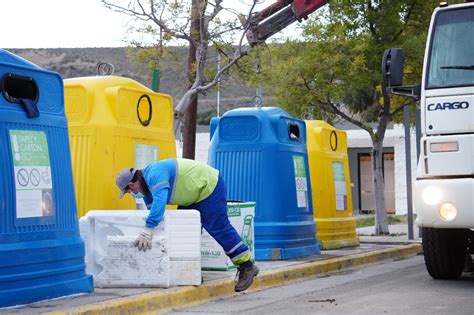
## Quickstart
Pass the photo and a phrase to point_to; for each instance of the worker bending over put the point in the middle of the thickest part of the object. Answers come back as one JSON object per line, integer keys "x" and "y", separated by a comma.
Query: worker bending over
{"x": 191, "y": 185}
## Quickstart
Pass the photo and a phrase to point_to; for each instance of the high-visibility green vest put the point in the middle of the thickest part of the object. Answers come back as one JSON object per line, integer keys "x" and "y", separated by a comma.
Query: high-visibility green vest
{"x": 194, "y": 181}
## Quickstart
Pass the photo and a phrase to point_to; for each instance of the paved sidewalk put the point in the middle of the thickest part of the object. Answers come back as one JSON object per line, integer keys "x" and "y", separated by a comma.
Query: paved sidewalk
{"x": 398, "y": 234}
{"x": 218, "y": 284}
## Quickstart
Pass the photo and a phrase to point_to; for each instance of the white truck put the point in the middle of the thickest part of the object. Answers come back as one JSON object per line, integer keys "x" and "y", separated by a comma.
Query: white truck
{"x": 444, "y": 186}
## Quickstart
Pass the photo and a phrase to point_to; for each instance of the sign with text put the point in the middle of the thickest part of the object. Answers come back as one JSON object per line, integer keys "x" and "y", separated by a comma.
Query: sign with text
{"x": 32, "y": 168}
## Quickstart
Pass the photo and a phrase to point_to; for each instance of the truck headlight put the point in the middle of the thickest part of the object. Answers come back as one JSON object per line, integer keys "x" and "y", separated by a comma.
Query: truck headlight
{"x": 447, "y": 211}
{"x": 432, "y": 195}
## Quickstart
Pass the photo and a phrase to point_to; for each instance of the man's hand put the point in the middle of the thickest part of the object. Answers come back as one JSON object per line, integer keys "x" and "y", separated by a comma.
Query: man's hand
{"x": 143, "y": 241}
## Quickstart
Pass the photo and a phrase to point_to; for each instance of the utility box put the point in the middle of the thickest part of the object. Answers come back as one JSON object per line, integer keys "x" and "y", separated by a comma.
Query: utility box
{"x": 261, "y": 153}
{"x": 241, "y": 217}
{"x": 330, "y": 184}
{"x": 114, "y": 123}
{"x": 41, "y": 254}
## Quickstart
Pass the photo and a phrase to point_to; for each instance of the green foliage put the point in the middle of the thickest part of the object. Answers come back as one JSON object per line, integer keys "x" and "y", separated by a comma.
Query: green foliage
{"x": 339, "y": 60}
{"x": 155, "y": 57}
{"x": 204, "y": 118}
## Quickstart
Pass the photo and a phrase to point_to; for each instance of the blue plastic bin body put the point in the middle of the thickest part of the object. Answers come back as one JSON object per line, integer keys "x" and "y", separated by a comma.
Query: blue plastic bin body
{"x": 41, "y": 253}
{"x": 262, "y": 155}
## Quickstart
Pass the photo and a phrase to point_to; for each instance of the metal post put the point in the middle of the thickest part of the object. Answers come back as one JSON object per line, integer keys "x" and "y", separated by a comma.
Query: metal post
{"x": 155, "y": 82}
{"x": 406, "y": 118}
{"x": 418, "y": 132}
{"x": 418, "y": 142}
{"x": 258, "y": 98}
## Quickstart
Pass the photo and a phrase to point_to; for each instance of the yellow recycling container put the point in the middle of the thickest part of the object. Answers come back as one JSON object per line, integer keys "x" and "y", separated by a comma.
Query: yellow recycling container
{"x": 114, "y": 123}
{"x": 330, "y": 184}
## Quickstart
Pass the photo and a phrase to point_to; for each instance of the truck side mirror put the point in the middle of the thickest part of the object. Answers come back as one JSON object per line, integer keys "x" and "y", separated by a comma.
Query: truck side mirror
{"x": 392, "y": 67}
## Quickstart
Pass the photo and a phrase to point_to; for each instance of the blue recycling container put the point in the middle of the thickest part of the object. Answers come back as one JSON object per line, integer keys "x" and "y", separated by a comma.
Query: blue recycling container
{"x": 41, "y": 253}
{"x": 261, "y": 153}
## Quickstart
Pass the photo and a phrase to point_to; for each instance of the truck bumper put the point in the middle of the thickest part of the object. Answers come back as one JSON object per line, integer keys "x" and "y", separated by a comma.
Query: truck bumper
{"x": 458, "y": 191}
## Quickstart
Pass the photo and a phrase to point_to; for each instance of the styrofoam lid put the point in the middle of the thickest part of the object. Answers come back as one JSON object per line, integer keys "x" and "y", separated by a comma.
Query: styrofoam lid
{"x": 117, "y": 213}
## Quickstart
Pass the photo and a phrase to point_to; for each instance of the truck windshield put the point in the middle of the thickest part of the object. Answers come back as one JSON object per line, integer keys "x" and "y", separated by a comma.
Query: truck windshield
{"x": 451, "y": 57}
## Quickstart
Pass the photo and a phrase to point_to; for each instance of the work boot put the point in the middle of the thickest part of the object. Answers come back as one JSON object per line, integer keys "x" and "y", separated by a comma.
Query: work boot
{"x": 245, "y": 275}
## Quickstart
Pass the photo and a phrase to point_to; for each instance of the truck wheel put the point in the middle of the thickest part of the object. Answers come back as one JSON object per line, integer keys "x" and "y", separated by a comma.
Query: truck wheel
{"x": 445, "y": 252}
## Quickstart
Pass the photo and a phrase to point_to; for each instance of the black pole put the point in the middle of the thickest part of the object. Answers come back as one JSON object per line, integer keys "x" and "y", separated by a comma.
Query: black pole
{"x": 418, "y": 142}
{"x": 418, "y": 132}
{"x": 406, "y": 118}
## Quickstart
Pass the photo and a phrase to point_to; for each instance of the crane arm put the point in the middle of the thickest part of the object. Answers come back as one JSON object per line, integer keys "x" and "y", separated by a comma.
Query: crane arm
{"x": 277, "y": 16}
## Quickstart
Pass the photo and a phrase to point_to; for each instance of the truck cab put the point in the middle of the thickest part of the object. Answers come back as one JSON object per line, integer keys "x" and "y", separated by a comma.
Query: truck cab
{"x": 444, "y": 186}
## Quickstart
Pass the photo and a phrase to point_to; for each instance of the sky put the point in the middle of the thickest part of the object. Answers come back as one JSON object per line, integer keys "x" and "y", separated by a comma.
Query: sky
{"x": 66, "y": 23}
{"x": 59, "y": 24}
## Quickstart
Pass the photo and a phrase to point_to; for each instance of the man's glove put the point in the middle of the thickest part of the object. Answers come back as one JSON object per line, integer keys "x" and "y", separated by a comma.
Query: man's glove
{"x": 143, "y": 241}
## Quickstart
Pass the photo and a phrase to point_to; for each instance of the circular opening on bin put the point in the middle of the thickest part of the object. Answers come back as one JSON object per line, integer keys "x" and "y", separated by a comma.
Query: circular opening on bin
{"x": 333, "y": 140}
{"x": 144, "y": 109}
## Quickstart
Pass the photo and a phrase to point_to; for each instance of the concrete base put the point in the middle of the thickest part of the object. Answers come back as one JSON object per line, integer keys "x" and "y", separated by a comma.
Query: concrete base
{"x": 286, "y": 253}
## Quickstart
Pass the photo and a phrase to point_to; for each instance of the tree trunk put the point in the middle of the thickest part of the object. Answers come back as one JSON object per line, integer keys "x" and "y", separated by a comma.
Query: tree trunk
{"x": 381, "y": 223}
{"x": 189, "y": 130}
{"x": 189, "y": 124}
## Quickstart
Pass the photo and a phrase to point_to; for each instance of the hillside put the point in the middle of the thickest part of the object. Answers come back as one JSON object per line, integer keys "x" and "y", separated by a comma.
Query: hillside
{"x": 79, "y": 62}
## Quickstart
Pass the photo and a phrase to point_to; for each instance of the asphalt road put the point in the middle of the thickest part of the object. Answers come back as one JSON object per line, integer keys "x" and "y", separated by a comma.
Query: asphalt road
{"x": 392, "y": 287}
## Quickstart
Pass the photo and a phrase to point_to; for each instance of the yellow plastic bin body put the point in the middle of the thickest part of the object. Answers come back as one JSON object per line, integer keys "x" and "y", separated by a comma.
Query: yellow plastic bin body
{"x": 330, "y": 184}
{"x": 114, "y": 123}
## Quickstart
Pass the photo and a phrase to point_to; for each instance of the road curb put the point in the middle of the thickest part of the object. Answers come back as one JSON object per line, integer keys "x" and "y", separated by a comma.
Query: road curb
{"x": 178, "y": 297}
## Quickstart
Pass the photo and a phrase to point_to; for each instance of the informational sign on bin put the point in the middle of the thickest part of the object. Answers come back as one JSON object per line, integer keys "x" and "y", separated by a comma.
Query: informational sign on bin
{"x": 32, "y": 168}
{"x": 145, "y": 154}
{"x": 339, "y": 185}
{"x": 301, "y": 182}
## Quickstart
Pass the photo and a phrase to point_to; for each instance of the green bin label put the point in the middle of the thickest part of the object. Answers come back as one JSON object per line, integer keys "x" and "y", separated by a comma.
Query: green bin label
{"x": 233, "y": 211}
{"x": 301, "y": 183}
{"x": 32, "y": 168}
{"x": 339, "y": 185}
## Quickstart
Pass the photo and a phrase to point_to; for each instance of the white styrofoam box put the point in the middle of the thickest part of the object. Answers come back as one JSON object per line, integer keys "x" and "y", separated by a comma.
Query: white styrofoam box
{"x": 241, "y": 217}
{"x": 125, "y": 266}
{"x": 182, "y": 229}
{"x": 105, "y": 223}
{"x": 184, "y": 238}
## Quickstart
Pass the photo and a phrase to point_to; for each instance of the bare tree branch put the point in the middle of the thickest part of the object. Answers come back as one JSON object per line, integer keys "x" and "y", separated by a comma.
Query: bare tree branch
{"x": 197, "y": 88}
{"x": 217, "y": 9}
{"x": 144, "y": 16}
{"x": 149, "y": 14}
{"x": 227, "y": 30}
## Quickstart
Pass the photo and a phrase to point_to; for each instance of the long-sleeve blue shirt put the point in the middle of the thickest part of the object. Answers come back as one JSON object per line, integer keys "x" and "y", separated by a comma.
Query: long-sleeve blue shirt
{"x": 176, "y": 181}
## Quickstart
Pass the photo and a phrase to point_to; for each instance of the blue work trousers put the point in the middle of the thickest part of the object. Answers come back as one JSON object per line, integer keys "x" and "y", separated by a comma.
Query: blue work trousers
{"x": 214, "y": 219}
